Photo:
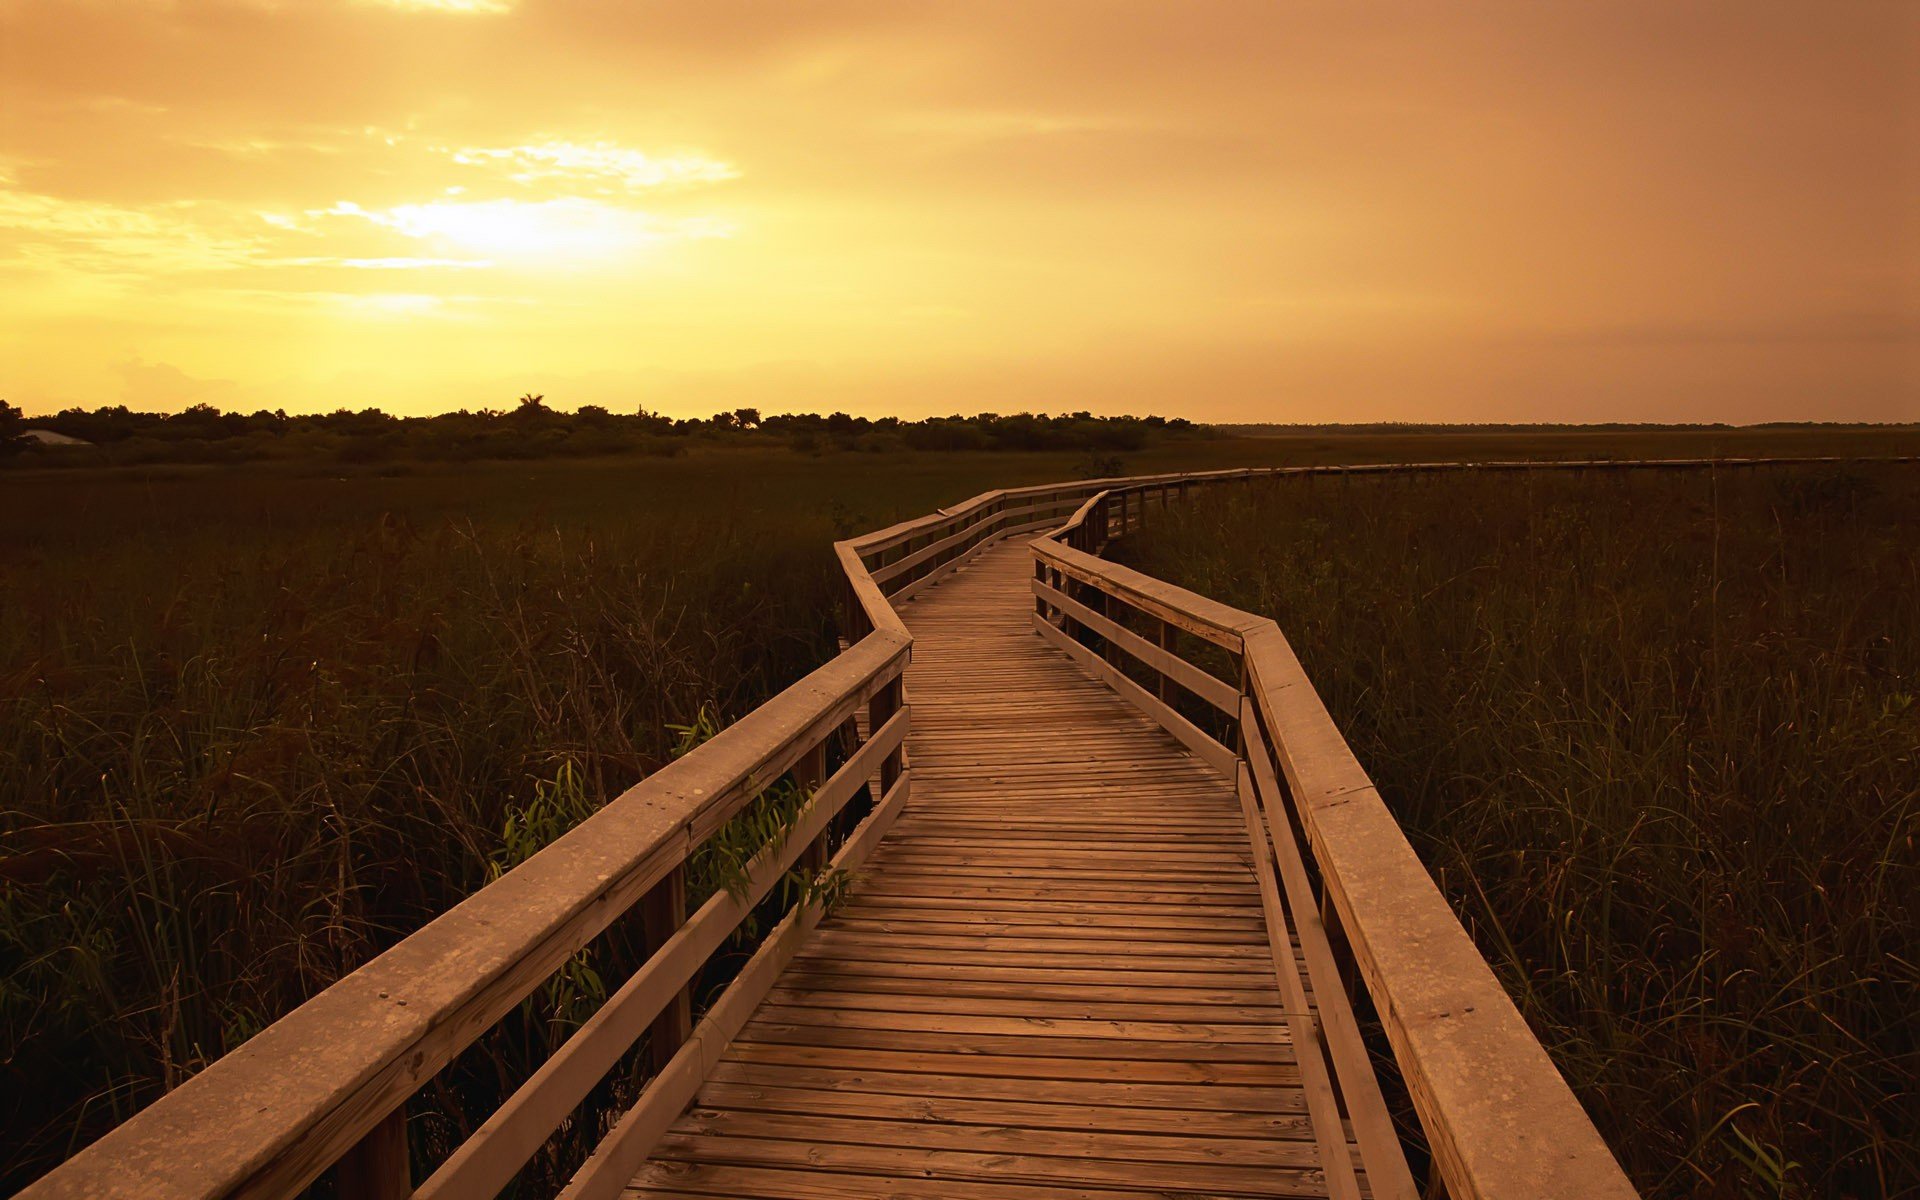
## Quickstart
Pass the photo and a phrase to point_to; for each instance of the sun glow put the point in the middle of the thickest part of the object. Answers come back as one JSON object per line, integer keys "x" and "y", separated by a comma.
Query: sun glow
{"x": 1233, "y": 211}
{"x": 461, "y": 7}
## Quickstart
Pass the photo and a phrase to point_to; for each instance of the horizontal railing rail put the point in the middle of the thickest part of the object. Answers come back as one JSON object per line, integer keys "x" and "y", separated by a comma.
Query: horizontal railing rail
{"x": 327, "y": 1085}
{"x": 1333, "y": 866}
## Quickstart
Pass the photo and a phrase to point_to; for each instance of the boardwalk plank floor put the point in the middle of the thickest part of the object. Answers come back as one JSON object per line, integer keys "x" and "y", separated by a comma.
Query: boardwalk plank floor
{"x": 1052, "y": 980}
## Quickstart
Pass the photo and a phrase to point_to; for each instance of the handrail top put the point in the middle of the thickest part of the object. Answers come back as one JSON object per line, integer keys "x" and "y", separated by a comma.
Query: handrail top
{"x": 1231, "y": 624}
{"x": 1470, "y": 1057}
{"x": 880, "y": 539}
{"x": 410, "y": 1008}
{"x": 222, "y": 1128}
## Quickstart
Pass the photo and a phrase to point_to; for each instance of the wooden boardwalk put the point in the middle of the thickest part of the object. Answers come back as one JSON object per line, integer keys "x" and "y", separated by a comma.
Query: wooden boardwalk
{"x": 1053, "y": 978}
{"x": 1115, "y": 841}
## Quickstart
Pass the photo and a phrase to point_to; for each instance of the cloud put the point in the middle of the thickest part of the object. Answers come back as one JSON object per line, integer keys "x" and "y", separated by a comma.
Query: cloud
{"x": 111, "y": 239}
{"x": 570, "y": 227}
{"x": 576, "y": 163}
{"x": 921, "y": 187}
{"x": 466, "y": 8}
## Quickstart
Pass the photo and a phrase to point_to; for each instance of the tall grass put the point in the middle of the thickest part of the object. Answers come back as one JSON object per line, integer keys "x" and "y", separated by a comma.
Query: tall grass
{"x": 1657, "y": 737}
{"x": 257, "y": 725}
{"x": 241, "y": 759}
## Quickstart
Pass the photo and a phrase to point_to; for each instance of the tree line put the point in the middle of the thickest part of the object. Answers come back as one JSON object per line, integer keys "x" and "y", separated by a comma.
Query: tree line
{"x": 531, "y": 429}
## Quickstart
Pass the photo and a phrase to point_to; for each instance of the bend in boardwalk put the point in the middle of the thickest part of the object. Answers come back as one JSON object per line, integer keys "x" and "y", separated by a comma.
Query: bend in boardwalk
{"x": 1052, "y": 979}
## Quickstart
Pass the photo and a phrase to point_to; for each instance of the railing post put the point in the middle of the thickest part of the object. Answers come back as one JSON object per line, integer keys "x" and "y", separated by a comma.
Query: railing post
{"x": 378, "y": 1167}
{"x": 807, "y": 774}
{"x": 663, "y": 910}
{"x": 1164, "y": 685}
{"x": 880, "y": 710}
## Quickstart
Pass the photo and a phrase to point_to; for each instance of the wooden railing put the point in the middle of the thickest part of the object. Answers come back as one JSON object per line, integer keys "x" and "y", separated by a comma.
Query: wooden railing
{"x": 328, "y": 1085}
{"x": 1333, "y": 865}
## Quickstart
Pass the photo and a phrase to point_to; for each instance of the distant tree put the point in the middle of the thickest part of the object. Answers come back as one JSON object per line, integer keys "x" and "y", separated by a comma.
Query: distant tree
{"x": 533, "y": 411}
{"x": 746, "y": 418}
{"x": 724, "y": 420}
{"x": 592, "y": 415}
{"x": 13, "y": 430}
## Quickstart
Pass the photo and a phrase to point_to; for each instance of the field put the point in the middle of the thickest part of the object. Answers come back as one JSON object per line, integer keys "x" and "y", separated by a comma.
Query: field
{"x": 257, "y": 723}
{"x": 1658, "y": 738}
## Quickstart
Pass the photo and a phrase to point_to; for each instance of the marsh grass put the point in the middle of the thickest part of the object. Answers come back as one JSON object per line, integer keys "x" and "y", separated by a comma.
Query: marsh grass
{"x": 1656, "y": 736}
{"x": 245, "y": 752}
{"x": 256, "y": 726}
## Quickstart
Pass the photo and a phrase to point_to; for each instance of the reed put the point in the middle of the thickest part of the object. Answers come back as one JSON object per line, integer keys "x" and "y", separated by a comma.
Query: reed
{"x": 1656, "y": 736}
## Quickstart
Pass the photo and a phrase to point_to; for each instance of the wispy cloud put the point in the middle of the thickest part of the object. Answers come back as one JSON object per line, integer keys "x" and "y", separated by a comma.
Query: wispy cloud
{"x": 566, "y": 228}
{"x": 466, "y": 8}
{"x": 103, "y": 238}
{"x": 597, "y": 162}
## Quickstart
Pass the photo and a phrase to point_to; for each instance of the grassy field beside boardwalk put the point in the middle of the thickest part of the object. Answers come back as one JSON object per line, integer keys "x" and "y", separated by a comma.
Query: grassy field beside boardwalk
{"x": 1657, "y": 736}
{"x": 258, "y": 723}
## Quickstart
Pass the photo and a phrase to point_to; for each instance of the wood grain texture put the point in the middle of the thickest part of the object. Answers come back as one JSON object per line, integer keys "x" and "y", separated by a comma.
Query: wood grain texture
{"x": 1067, "y": 919}
{"x": 1052, "y": 978}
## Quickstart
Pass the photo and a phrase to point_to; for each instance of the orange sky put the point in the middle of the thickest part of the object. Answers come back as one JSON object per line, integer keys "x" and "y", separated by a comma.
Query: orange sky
{"x": 1268, "y": 210}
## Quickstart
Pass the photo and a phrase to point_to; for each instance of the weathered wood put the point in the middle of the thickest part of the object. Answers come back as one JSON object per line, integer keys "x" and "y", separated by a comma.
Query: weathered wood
{"x": 623, "y": 1150}
{"x": 1499, "y": 1118}
{"x": 807, "y": 775}
{"x": 1085, "y": 984}
{"x": 663, "y": 911}
{"x": 1315, "y": 1080}
{"x": 1214, "y": 691}
{"x": 1373, "y": 1124}
{"x": 1217, "y": 623}
{"x": 1190, "y": 735}
{"x": 266, "y": 1119}
{"x": 1491, "y": 1144}
{"x": 488, "y": 1160}
{"x": 380, "y": 1166}
{"x": 325, "y": 1085}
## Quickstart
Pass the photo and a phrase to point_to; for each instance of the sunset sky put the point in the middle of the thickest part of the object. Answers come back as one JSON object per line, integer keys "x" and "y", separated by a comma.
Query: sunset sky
{"x": 1259, "y": 211}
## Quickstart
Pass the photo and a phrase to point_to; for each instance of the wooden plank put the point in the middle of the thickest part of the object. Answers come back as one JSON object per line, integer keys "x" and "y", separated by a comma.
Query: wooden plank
{"x": 380, "y": 1166}
{"x": 268, "y": 1118}
{"x": 1000, "y": 1168}
{"x": 1216, "y": 692}
{"x": 1373, "y": 1124}
{"x": 813, "y": 1183}
{"x": 1158, "y": 1148}
{"x": 1187, "y": 990}
{"x": 622, "y": 1151}
{"x": 1204, "y": 618}
{"x": 1322, "y": 1106}
{"x": 1138, "y": 1007}
{"x": 1211, "y": 1099}
{"x": 1028, "y": 1026}
{"x": 1499, "y": 1118}
{"x": 1039, "y": 1072}
{"x": 960, "y": 1112}
{"x": 1209, "y": 751}
{"x": 488, "y": 1161}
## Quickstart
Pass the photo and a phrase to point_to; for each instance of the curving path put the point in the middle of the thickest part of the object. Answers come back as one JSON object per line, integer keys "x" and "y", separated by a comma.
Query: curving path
{"x": 1052, "y": 980}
